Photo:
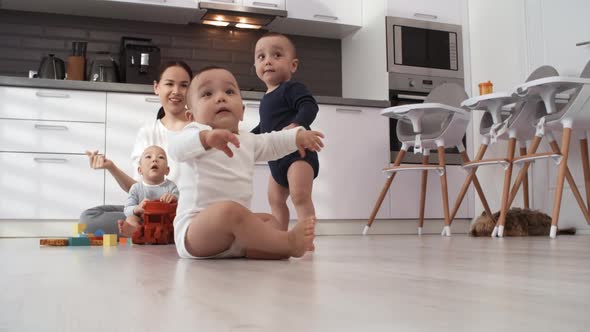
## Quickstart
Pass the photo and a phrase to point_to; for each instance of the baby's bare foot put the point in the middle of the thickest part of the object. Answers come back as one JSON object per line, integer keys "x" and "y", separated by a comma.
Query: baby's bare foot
{"x": 126, "y": 229}
{"x": 301, "y": 236}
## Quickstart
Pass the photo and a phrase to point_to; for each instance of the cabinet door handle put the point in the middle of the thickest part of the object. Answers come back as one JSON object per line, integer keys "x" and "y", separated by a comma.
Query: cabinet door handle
{"x": 47, "y": 94}
{"x": 264, "y": 4}
{"x": 422, "y": 15}
{"x": 326, "y": 17}
{"x": 50, "y": 160}
{"x": 261, "y": 163}
{"x": 50, "y": 127}
{"x": 349, "y": 110}
{"x": 583, "y": 43}
{"x": 252, "y": 105}
{"x": 224, "y": 1}
{"x": 152, "y": 99}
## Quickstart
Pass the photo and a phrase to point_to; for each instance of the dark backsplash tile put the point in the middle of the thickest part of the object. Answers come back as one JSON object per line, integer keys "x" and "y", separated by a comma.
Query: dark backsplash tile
{"x": 25, "y": 36}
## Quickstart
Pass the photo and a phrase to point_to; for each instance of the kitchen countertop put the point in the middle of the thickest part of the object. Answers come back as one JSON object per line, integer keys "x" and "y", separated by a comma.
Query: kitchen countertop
{"x": 144, "y": 88}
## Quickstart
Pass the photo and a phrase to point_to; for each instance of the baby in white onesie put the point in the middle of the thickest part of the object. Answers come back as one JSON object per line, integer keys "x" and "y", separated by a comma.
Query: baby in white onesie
{"x": 213, "y": 218}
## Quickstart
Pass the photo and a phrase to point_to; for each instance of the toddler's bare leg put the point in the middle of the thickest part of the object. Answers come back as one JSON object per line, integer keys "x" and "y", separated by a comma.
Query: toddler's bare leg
{"x": 128, "y": 226}
{"x": 277, "y": 199}
{"x": 300, "y": 175}
{"x": 214, "y": 229}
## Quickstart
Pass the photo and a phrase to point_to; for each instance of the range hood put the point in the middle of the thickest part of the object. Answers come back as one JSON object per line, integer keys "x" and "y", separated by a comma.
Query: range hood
{"x": 238, "y": 16}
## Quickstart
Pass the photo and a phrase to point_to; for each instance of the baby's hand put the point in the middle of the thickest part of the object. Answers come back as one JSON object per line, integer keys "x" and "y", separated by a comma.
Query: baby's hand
{"x": 139, "y": 209}
{"x": 168, "y": 198}
{"x": 309, "y": 139}
{"x": 219, "y": 139}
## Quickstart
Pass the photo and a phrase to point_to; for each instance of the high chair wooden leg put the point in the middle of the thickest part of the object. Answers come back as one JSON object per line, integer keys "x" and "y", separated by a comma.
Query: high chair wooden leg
{"x": 444, "y": 191}
{"x": 523, "y": 171}
{"x": 398, "y": 161}
{"x": 423, "y": 195}
{"x": 565, "y": 145}
{"x": 586, "y": 168}
{"x": 472, "y": 177}
{"x": 525, "y": 181}
{"x": 573, "y": 186}
{"x": 506, "y": 193}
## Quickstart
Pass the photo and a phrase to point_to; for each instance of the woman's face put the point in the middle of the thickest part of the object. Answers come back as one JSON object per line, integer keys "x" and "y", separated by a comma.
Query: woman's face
{"x": 172, "y": 90}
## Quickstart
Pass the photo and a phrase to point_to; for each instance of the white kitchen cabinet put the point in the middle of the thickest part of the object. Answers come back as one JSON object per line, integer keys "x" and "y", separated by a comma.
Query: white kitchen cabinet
{"x": 48, "y": 104}
{"x": 166, "y": 11}
{"x": 320, "y": 18}
{"x": 47, "y": 186}
{"x": 356, "y": 150}
{"x": 43, "y": 136}
{"x": 126, "y": 114}
{"x": 270, "y": 4}
{"x": 448, "y": 11}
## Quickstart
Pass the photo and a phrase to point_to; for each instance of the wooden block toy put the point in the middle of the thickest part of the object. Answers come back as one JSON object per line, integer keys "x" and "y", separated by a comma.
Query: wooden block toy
{"x": 157, "y": 227}
{"x": 79, "y": 229}
{"x": 54, "y": 242}
{"x": 109, "y": 240}
{"x": 99, "y": 232}
{"x": 79, "y": 241}
{"x": 95, "y": 241}
{"x": 123, "y": 240}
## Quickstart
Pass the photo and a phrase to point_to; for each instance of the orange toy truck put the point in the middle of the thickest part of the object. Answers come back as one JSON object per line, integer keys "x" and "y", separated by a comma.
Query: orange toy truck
{"x": 157, "y": 225}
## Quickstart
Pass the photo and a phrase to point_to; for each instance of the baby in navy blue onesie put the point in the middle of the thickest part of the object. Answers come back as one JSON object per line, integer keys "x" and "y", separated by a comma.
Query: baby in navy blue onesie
{"x": 286, "y": 104}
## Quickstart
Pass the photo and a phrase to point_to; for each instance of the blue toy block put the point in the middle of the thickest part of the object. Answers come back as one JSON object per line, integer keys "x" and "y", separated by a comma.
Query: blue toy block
{"x": 79, "y": 241}
{"x": 99, "y": 232}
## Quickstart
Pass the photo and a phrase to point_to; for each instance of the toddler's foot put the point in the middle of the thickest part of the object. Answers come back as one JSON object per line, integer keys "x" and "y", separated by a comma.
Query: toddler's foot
{"x": 126, "y": 229}
{"x": 301, "y": 236}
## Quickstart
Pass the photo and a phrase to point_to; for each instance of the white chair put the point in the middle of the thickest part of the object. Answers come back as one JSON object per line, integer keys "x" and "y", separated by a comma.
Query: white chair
{"x": 436, "y": 124}
{"x": 511, "y": 120}
{"x": 573, "y": 119}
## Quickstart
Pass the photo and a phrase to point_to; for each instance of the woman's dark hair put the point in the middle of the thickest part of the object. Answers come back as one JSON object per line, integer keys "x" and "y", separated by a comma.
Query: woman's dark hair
{"x": 163, "y": 67}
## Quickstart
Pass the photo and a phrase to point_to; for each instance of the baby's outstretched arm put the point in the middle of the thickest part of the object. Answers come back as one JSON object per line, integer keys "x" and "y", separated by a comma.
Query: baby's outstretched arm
{"x": 219, "y": 139}
{"x": 309, "y": 139}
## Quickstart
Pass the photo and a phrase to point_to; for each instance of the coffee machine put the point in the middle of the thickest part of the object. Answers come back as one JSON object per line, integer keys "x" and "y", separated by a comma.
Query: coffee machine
{"x": 139, "y": 60}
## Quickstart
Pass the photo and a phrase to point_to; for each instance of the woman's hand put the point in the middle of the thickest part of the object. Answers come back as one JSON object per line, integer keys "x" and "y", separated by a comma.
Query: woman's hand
{"x": 99, "y": 161}
{"x": 168, "y": 198}
{"x": 309, "y": 139}
{"x": 219, "y": 139}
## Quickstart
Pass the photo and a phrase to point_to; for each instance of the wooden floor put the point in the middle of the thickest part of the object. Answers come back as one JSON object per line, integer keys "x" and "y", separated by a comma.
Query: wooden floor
{"x": 352, "y": 283}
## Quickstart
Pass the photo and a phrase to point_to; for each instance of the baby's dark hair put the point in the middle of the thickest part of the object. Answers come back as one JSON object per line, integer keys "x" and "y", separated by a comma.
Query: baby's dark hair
{"x": 199, "y": 72}
{"x": 276, "y": 34}
{"x": 163, "y": 68}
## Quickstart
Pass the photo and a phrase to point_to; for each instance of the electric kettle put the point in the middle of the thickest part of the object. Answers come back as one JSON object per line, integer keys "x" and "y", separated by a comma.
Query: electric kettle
{"x": 52, "y": 67}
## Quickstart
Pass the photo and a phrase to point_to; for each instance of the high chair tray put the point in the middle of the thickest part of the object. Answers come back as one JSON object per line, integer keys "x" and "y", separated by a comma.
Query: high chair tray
{"x": 555, "y": 82}
{"x": 399, "y": 112}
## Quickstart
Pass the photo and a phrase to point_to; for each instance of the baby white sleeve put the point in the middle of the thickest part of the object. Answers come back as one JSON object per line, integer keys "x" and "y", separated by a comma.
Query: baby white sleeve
{"x": 186, "y": 144}
{"x": 276, "y": 144}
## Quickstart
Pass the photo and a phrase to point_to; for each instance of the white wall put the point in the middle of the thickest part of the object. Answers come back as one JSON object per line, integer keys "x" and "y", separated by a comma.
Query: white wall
{"x": 499, "y": 54}
{"x": 364, "y": 68}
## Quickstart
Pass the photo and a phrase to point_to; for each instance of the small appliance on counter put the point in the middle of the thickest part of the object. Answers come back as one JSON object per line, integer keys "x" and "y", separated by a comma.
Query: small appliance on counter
{"x": 103, "y": 69}
{"x": 139, "y": 60}
{"x": 77, "y": 61}
{"x": 52, "y": 67}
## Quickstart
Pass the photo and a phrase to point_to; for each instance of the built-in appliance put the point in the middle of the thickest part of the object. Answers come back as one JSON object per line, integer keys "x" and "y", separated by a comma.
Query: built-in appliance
{"x": 139, "y": 60}
{"x": 421, "y": 55}
{"x": 238, "y": 16}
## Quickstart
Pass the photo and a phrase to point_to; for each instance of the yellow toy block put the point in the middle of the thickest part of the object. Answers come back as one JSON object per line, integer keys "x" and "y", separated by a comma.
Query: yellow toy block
{"x": 109, "y": 240}
{"x": 79, "y": 229}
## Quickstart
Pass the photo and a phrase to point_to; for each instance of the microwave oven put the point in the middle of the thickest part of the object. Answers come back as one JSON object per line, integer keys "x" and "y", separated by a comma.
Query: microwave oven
{"x": 425, "y": 48}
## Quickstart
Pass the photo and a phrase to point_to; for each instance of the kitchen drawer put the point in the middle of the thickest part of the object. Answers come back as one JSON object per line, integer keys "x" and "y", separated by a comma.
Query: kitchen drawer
{"x": 49, "y": 104}
{"x": 47, "y": 186}
{"x": 50, "y": 136}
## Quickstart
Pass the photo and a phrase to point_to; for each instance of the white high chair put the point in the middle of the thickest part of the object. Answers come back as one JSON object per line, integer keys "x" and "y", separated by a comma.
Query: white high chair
{"x": 511, "y": 120}
{"x": 438, "y": 123}
{"x": 572, "y": 119}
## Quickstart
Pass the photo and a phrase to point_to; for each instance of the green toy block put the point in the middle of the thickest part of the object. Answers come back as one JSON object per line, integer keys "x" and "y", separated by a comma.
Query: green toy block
{"x": 79, "y": 241}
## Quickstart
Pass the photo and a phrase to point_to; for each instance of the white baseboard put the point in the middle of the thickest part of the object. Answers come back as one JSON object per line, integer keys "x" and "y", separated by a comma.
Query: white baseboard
{"x": 60, "y": 228}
